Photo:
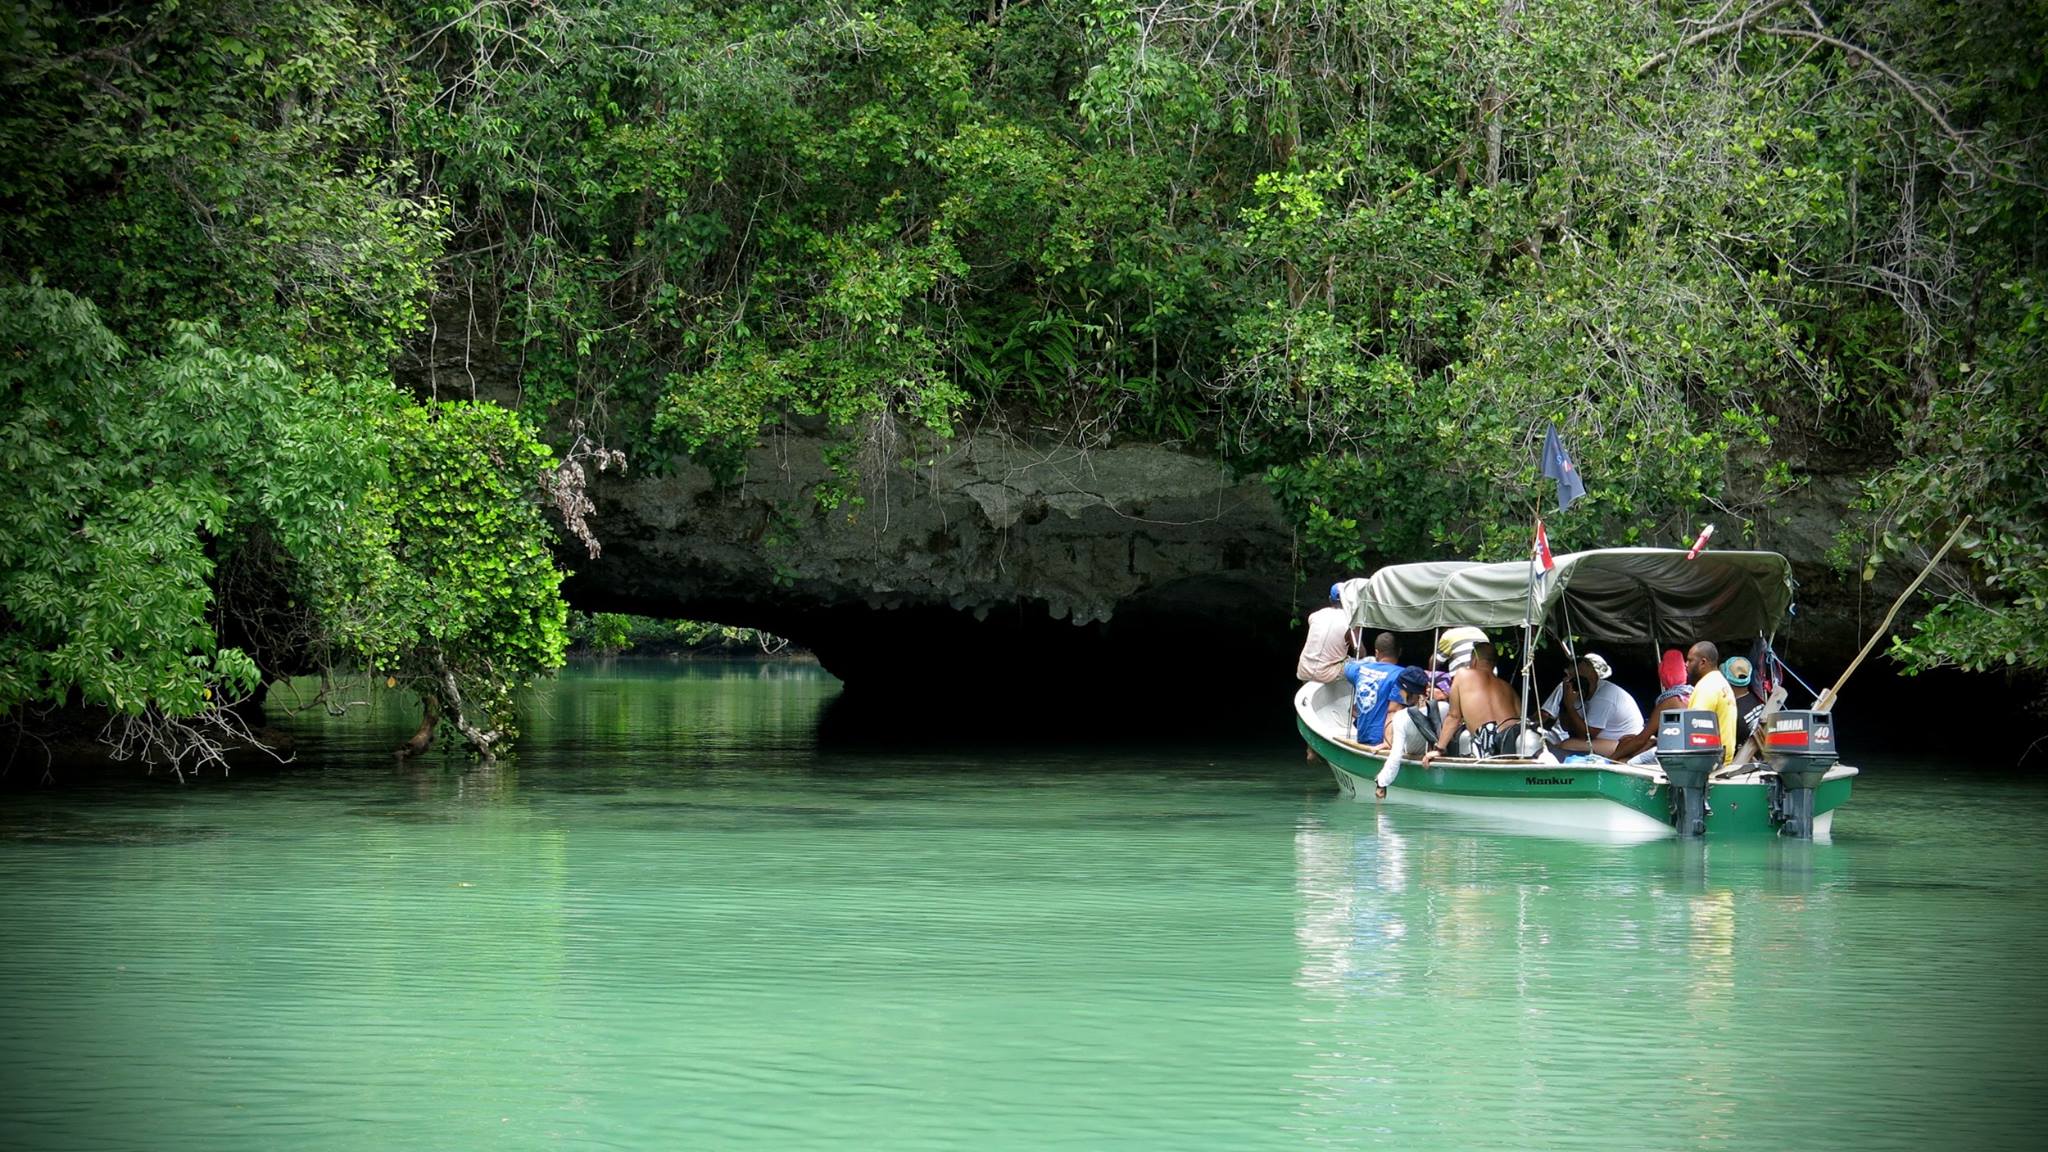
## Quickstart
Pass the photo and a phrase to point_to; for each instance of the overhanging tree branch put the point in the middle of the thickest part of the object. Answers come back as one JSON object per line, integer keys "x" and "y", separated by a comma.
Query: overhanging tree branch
{"x": 1705, "y": 34}
{"x": 1911, "y": 89}
{"x": 1750, "y": 21}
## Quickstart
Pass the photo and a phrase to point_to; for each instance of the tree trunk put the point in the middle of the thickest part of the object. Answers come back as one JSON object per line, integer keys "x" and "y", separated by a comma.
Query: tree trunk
{"x": 1493, "y": 100}
{"x": 482, "y": 739}
{"x": 423, "y": 738}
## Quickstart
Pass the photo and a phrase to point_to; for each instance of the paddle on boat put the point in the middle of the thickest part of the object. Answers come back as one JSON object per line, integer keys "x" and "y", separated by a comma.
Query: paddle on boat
{"x": 1789, "y": 782}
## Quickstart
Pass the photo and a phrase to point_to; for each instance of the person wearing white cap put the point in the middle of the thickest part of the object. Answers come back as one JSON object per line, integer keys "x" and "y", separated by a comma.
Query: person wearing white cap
{"x": 1593, "y": 710}
{"x": 1456, "y": 646}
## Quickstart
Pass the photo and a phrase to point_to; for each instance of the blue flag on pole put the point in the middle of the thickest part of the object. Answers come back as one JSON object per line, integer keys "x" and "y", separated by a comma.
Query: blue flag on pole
{"x": 1557, "y": 464}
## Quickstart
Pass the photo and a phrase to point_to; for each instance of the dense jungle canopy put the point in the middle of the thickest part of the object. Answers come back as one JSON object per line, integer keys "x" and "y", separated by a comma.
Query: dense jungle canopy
{"x": 1366, "y": 248}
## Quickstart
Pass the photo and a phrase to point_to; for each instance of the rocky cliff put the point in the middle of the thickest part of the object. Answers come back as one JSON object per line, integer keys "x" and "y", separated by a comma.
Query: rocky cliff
{"x": 1047, "y": 567}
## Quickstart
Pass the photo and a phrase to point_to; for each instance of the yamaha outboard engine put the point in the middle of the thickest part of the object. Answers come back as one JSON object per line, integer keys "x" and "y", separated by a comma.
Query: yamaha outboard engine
{"x": 1800, "y": 748}
{"x": 1688, "y": 750}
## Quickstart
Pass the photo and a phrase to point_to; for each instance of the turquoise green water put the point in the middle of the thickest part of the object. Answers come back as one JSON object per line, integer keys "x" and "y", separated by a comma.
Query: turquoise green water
{"x": 675, "y": 922}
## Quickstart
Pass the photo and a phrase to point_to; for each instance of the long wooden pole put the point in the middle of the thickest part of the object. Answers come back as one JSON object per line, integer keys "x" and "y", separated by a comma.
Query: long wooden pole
{"x": 1529, "y": 619}
{"x": 1828, "y": 698}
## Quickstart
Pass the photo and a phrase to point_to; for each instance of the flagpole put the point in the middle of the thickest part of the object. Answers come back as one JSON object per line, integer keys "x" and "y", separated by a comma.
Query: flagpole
{"x": 1556, "y": 464}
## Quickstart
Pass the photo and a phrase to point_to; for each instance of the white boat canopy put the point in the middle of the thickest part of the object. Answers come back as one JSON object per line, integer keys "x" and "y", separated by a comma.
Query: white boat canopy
{"x": 1616, "y": 595}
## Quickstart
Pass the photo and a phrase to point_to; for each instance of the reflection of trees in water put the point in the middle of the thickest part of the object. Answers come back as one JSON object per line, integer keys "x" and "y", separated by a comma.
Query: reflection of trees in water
{"x": 684, "y": 704}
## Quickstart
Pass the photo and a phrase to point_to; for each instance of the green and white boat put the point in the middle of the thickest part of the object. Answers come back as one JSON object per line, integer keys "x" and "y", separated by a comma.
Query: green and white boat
{"x": 1630, "y": 598}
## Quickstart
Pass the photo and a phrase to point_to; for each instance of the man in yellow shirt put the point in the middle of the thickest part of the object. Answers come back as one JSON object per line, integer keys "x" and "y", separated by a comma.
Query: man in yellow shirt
{"x": 1710, "y": 692}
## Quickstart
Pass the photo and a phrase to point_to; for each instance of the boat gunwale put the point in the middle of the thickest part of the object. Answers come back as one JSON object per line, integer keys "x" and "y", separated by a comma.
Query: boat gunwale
{"x": 1655, "y": 775}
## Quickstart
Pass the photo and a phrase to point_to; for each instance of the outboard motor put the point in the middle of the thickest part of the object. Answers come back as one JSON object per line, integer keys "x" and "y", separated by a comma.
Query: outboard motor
{"x": 1800, "y": 748}
{"x": 1688, "y": 750}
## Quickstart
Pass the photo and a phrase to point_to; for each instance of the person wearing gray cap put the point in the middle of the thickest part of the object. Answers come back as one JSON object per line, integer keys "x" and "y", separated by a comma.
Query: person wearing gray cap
{"x": 1592, "y": 710}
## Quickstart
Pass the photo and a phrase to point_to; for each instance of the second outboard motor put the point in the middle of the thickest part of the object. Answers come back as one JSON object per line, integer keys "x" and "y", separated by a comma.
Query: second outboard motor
{"x": 1800, "y": 748}
{"x": 1688, "y": 750}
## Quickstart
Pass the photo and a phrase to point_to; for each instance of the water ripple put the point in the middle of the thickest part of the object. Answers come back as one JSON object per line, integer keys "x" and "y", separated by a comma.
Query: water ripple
{"x": 721, "y": 939}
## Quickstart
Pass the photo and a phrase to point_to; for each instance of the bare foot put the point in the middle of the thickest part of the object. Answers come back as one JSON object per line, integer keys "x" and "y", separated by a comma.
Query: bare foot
{"x": 1379, "y": 792}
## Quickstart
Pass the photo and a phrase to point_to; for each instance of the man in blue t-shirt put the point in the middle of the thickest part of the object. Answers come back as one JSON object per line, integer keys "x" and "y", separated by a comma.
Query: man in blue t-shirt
{"x": 1375, "y": 687}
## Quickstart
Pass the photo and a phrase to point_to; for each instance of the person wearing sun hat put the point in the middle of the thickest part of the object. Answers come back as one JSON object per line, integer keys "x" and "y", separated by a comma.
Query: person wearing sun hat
{"x": 1738, "y": 671}
{"x": 1592, "y": 708}
{"x": 1456, "y": 646}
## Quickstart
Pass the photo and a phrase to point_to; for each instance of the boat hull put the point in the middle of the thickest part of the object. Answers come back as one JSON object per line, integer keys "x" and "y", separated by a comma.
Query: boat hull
{"x": 1613, "y": 799}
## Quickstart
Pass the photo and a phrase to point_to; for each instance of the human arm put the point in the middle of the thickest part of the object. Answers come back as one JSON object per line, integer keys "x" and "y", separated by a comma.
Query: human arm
{"x": 1599, "y": 721}
{"x": 1394, "y": 708}
{"x": 1571, "y": 713}
{"x": 1454, "y": 719}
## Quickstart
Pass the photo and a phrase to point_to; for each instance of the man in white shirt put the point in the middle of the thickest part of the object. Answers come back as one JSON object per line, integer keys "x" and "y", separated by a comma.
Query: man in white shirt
{"x": 1593, "y": 710}
{"x": 1330, "y": 643}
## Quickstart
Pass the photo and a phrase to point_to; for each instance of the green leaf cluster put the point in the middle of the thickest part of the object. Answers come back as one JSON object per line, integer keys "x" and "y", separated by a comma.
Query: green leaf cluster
{"x": 212, "y": 250}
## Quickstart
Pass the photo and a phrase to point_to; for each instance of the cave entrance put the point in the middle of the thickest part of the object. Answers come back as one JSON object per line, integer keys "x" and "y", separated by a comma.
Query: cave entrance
{"x": 1196, "y": 656}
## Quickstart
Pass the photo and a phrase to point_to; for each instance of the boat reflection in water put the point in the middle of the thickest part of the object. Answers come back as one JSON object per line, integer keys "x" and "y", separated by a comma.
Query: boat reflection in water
{"x": 1501, "y": 987}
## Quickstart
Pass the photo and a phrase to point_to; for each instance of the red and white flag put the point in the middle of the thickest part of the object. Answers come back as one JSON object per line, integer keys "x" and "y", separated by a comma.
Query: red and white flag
{"x": 1542, "y": 552}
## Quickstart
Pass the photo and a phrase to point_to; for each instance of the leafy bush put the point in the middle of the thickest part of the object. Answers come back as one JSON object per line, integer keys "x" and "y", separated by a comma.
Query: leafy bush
{"x": 412, "y": 534}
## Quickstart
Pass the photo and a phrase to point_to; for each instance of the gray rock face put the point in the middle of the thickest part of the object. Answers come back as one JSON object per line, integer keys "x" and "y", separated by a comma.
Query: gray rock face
{"x": 984, "y": 549}
{"x": 1050, "y": 567}
{"x": 977, "y": 525}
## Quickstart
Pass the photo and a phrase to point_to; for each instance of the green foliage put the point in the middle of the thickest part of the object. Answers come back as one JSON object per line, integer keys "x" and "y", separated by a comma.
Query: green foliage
{"x": 1382, "y": 241}
{"x": 212, "y": 247}
{"x": 225, "y": 160}
{"x": 706, "y": 636}
{"x": 412, "y": 535}
{"x": 1978, "y": 450}
{"x": 606, "y": 633}
{"x": 121, "y": 474}
{"x": 1367, "y": 249}
{"x": 473, "y": 595}
{"x": 610, "y": 633}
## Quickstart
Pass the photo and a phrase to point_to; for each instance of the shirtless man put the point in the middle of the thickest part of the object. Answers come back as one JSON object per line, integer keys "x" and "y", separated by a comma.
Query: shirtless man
{"x": 1478, "y": 699}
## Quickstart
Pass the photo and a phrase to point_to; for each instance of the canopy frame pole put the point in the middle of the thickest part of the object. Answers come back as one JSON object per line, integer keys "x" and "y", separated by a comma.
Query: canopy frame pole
{"x": 1529, "y": 621}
